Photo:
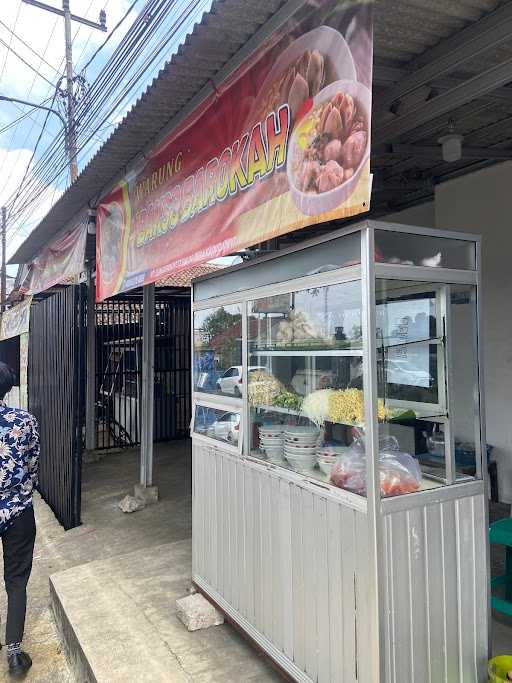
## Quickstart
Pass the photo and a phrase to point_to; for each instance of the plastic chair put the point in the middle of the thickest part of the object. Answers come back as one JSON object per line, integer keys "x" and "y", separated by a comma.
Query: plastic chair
{"x": 500, "y": 533}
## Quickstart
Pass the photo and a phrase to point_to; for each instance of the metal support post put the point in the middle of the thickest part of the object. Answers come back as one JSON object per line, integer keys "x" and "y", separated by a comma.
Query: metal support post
{"x": 90, "y": 398}
{"x": 147, "y": 397}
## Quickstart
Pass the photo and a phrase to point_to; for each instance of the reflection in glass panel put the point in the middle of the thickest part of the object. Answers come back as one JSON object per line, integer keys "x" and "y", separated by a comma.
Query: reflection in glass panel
{"x": 305, "y": 386}
{"x": 218, "y": 350}
{"x": 217, "y": 424}
{"x": 464, "y": 399}
{"x": 424, "y": 250}
{"x": 432, "y": 431}
{"x": 411, "y": 383}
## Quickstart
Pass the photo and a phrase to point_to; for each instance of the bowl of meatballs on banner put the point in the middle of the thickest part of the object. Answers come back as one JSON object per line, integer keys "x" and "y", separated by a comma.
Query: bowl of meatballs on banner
{"x": 329, "y": 148}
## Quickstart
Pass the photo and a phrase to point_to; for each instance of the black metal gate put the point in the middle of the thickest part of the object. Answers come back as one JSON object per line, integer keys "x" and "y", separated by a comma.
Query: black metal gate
{"x": 56, "y": 397}
{"x": 119, "y": 369}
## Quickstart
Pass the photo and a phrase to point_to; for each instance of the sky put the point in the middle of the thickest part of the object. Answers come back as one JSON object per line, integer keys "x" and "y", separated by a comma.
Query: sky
{"x": 43, "y": 33}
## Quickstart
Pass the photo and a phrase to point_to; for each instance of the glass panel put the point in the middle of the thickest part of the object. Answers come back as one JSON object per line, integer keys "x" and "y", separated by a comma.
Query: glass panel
{"x": 305, "y": 387}
{"x": 424, "y": 250}
{"x": 464, "y": 397}
{"x": 430, "y": 436}
{"x": 411, "y": 384}
{"x": 218, "y": 350}
{"x": 338, "y": 253}
{"x": 218, "y": 424}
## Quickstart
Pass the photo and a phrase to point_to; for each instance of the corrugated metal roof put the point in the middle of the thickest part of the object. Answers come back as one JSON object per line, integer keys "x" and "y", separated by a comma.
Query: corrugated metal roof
{"x": 222, "y": 32}
{"x": 407, "y": 35}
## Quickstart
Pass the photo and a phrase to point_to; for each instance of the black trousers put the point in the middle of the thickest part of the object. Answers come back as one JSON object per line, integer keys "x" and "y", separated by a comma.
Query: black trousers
{"x": 18, "y": 546}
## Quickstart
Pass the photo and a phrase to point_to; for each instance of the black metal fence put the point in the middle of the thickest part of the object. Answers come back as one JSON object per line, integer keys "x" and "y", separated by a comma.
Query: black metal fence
{"x": 56, "y": 397}
{"x": 119, "y": 369}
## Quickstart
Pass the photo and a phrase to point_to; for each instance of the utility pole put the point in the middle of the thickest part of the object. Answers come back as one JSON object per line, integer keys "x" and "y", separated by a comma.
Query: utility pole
{"x": 68, "y": 18}
{"x": 73, "y": 165}
{"x": 3, "y": 281}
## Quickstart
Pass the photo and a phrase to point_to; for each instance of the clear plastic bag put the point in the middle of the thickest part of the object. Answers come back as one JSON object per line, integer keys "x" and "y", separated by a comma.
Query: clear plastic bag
{"x": 399, "y": 472}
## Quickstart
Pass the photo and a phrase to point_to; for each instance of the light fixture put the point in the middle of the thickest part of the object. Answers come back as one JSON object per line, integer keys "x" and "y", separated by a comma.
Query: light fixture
{"x": 452, "y": 144}
{"x": 91, "y": 221}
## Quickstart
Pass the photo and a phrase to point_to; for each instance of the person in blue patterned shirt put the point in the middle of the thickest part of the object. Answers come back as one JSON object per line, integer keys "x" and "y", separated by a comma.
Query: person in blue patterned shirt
{"x": 19, "y": 456}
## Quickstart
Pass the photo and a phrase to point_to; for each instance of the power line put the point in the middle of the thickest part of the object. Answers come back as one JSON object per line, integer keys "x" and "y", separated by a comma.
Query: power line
{"x": 10, "y": 41}
{"x": 119, "y": 23}
{"x": 28, "y": 46}
{"x": 28, "y": 97}
{"x": 25, "y": 115}
{"x": 25, "y": 62}
{"x": 92, "y": 109}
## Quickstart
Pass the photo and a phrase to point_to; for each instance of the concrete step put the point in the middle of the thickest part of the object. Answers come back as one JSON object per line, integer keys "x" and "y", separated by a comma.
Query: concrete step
{"x": 118, "y": 621}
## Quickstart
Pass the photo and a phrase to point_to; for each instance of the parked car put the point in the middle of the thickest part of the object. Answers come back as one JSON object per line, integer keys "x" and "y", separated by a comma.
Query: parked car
{"x": 403, "y": 372}
{"x": 227, "y": 428}
{"x": 231, "y": 380}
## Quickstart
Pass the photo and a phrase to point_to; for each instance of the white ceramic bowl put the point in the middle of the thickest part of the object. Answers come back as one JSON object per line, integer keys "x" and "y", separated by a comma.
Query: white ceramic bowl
{"x": 301, "y": 430}
{"x": 332, "y": 451}
{"x": 325, "y": 39}
{"x": 272, "y": 430}
{"x": 311, "y": 203}
{"x": 301, "y": 463}
{"x": 326, "y": 466}
{"x": 273, "y": 447}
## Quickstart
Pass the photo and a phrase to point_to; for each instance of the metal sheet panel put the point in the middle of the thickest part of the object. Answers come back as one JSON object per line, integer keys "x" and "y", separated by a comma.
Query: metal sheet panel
{"x": 291, "y": 564}
{"x": 436, "y": 600}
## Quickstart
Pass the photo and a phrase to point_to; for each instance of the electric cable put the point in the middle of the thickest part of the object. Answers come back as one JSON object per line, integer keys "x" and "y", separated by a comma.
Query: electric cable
{"x": 28, "y": 46}
{"x": 25, "y": 61}
{"x": 123, "y": 58}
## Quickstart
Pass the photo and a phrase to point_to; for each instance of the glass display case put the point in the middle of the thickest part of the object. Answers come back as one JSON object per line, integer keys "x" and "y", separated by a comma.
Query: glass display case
{"x": 358, "y": 382}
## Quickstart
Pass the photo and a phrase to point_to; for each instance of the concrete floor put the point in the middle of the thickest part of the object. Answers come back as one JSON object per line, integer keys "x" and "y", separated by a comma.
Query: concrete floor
{"x": 144, "y": 554}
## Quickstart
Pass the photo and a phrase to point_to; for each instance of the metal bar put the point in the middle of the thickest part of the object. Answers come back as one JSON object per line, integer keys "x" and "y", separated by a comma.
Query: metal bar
{"x": 397, "y": 271}
{"x": 472, "y": 89}
{"x": 370, "y": 386}
{"x": 90, "y": 400}
{"x": 481, "y": 36}
{"x": 386, "y": 75}
{"x": 436, "y": 152}
{"x": 44, "y": 6}
{"x": 148, "y": 369}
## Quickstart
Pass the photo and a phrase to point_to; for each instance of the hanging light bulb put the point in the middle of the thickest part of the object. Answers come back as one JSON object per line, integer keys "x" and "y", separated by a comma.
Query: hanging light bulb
{"x": 452, "y": 144}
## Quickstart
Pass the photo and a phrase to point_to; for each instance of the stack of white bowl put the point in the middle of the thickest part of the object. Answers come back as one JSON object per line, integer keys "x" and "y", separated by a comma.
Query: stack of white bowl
{"x": 300, "y": 446}
{"x": 327, "y": 456}
{"x": 272, "y": 442}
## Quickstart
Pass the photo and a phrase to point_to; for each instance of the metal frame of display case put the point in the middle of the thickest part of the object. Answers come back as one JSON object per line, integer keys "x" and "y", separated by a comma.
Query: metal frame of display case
{"x": 441, "y": 533}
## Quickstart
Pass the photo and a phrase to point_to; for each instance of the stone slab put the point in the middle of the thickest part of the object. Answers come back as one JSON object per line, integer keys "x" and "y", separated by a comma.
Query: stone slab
{"x": 195, "y": 612}
{"x": 119, "y": 623}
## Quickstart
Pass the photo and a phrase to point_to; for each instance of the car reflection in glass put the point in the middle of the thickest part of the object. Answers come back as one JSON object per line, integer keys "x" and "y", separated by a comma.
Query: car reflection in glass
{"x": 226, "y": 428}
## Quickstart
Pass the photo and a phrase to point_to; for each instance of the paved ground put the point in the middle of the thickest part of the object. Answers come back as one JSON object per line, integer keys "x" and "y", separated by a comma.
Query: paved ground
{"x": 108, "y": 533}
{"x": 42, "y": 641}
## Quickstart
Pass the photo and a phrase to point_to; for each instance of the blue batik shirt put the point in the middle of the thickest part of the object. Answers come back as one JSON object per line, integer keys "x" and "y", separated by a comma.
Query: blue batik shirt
{"x": 19, "y": 459}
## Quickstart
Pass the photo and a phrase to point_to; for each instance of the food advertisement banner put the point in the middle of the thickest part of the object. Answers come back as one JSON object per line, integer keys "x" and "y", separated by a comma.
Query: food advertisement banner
{"x": 59, "y": 263}
{"x": 284, "y": 143}
{"x": 16, "y": 320}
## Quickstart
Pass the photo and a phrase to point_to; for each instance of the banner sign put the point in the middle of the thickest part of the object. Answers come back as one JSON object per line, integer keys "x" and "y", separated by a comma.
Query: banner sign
{"x": 16, "y": 320}
{"x": 282, "y": 144}
{"x": 59, "y": 263}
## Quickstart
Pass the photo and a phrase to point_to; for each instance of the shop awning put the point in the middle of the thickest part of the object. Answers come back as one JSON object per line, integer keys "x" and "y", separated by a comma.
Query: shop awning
{"x": 435, "y": 61}
{"x": 58, "y": 263}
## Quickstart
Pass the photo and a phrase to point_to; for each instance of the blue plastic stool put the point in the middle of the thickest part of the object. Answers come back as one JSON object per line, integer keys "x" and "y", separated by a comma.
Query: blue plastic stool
{"x": 500, "y": 533}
